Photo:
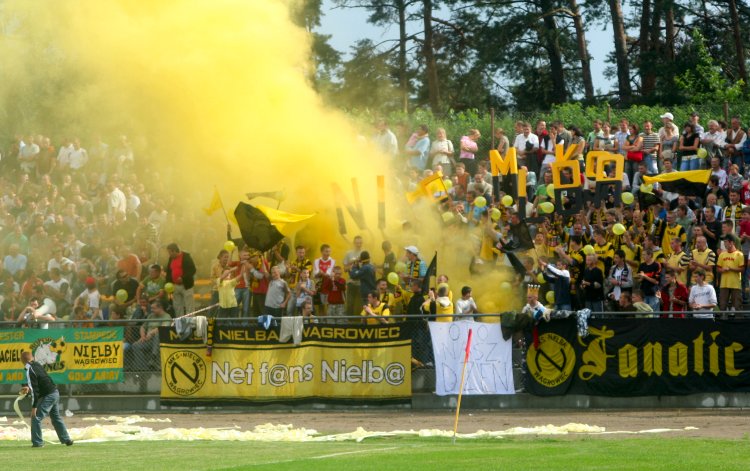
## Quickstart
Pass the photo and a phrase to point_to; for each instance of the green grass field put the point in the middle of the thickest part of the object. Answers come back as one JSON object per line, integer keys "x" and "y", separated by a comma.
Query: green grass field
{"x": 548, "y": 454}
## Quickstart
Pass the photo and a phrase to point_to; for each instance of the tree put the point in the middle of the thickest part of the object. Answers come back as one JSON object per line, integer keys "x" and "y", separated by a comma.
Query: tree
{"x": 621, "y": 52}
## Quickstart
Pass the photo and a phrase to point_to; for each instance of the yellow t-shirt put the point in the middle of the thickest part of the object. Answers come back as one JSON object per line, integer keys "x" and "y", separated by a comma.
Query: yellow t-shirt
{"x": 679, "y": 260}
{"x": 604, "y": 254}
{"x": 381, "y": 310}
{"x": 670, "y": 233}
{"x": 226, "y": 293}
{"x": 731, "y": 280}
{"x": 707, "y": 257}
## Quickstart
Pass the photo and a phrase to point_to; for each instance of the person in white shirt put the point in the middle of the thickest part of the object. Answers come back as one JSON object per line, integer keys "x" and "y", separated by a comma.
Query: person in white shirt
{"x": 702, "y": 299}
{"x": 667, "y": 119}
{"x": 116, "y": 200}
{"x": 442, "y": 152}
{"x": 714, "y": 141}
{"x": 63, "y": 156}
{"x": 526, "y": 145}
{"x": 385, "y": 139}
{"x": 466, "y": 305}
{"x": 78, "y": 156}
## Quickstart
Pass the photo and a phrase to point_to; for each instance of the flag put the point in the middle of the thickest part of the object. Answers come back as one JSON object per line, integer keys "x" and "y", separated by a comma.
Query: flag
{"x": 519, "y": 238}
{"x": 688, "y": 183}
{"x": 274, "y": 195}
{"x": 432, "y": 187}
{"x": 431, "y": 271}
{"x": 215, "y": 205}
{"x": 286, "y": 223}
{"x": 647, "y": 198}
{"x": 255, "y": 227}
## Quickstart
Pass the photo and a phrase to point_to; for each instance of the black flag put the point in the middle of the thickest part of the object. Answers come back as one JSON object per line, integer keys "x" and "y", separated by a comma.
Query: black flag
{"x": 431, "y": 271}
{"x": 257, "y": 231}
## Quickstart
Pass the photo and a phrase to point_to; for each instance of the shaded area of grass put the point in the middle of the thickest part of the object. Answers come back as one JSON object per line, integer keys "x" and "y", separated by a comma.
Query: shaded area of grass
{"x": 643, "y": 453}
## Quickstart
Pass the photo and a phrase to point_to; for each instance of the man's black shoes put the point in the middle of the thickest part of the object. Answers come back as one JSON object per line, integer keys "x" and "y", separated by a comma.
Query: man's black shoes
{"x": 68, "y": 443}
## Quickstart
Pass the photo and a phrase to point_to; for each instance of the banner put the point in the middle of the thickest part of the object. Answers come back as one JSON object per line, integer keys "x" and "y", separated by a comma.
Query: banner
{"x": 248, "y": 363}
{"x": 69, "y": 355}
{"x": 490, "y": 366}
{"x": 640, "y": 357}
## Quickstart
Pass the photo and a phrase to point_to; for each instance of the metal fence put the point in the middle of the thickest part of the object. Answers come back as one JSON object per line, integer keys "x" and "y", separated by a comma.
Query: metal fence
{"x": 142, "y": 365}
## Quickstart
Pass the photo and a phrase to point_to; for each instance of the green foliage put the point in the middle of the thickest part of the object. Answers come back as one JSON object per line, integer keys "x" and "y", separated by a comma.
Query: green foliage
{"x": 706, "y": 82}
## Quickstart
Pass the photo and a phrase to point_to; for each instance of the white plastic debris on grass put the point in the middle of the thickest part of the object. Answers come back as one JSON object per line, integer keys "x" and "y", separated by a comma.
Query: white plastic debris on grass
{"x": 126, "y": 428}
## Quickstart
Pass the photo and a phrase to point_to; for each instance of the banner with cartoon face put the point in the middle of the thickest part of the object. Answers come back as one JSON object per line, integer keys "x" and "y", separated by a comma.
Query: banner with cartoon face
{"x": 640, "y": 357}
{"x": 68, "y": 355}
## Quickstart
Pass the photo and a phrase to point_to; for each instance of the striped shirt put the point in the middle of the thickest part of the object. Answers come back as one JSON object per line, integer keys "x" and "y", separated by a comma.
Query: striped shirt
{"x": 650, "y": 141}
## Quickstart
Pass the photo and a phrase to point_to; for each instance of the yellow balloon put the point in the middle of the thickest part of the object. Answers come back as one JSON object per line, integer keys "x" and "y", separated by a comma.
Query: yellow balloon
{"x": 618, "y": 229}
{"x": 507, "y": 201}
{"x": 121, "y": 295}
{"x": 540, "y": 278}
{"x": 551, "y": 190}
{"x": 702, "y": 153}
{"x": 448, "y": 184}
{"x": 495, "y": 214}
{"x": 229, "y": 246}
{"x": 393, "y": 278}
{"x": 480, "y": 202}
{"x": 550, "y": 297}
{"x": 647, "y": 188}
{"x": 169, "y": 288}
{"x": 628, "y": 198}
{"x": 589, "y": 250}
{"x": 400, "y": 267}
{"x": 505, "y": 286}
{"x": 448, "y": 217}
{"x": 547, "y": 207}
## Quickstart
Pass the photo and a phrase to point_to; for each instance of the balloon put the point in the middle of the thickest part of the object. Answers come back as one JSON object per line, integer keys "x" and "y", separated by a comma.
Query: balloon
{"x": 507, "y": 201}
{"x": 618, "y": 229}
{"x": 628, "y": 197}
{"x": 169, "y": 288}
{"x": 540, "y": 278}
{"x": 229, "y": 246}
{"x": 480, "y": 202}
{"x": 647, "y": 188}
{"x": 589, "y": 250}
{"x": 448, "y": 217}
{"x": 547, "y": 207}
{"x": 702, "y": 153}
{"x": 551, "y": 190}
{"x": 495, "y": 214}
{"x": 400, "y": 267}
{"x": 448, "y": 184}
{"x": 505, "y": 286}
{"x": 393, "y": 278}
{"x": 121, "y": 295}
{"x": 550, "y": 297}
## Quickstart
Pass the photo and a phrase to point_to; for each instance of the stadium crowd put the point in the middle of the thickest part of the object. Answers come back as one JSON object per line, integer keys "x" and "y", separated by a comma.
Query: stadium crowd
{"x": 82, "y": 233}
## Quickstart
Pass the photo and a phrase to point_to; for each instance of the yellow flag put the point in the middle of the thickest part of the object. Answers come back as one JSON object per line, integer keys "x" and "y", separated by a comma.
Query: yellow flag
{"x": 286, "y": 223}
{"x": 215, "y": 204}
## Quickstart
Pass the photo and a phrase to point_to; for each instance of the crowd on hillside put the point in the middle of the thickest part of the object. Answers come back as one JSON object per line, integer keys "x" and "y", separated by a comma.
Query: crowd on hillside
{"x": 82, "y": 233}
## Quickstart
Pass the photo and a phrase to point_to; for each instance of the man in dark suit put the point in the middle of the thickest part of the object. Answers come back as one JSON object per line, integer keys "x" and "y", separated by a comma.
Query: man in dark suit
{"x": 44, "y": 399}
{"x": 181, "y": 272}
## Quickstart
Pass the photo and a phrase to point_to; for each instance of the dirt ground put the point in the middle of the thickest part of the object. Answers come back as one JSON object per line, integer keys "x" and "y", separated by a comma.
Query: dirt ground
{"x": 724, "y": 423}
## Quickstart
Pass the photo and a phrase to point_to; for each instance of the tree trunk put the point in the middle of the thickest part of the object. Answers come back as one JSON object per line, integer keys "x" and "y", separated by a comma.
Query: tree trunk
{"x": 621, "y": 52}
{"x": 669, "y": 53}
{"x": 583, "y": 52}
{"x": 645, "y": 59}
{"x": 403, "y": 84}
{"x": 738, "y": 45}
{"x": 433, "y": 90}
{"x": 550, "y": 40}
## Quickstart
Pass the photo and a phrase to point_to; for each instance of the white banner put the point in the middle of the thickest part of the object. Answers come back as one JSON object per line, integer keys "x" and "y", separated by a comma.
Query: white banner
{"x": 490, "y": 366}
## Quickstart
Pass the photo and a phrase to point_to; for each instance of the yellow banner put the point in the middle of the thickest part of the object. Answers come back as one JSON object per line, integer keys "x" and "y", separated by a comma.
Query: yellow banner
{"x": 68, "y": 355}
{"x": 357, "y": 363}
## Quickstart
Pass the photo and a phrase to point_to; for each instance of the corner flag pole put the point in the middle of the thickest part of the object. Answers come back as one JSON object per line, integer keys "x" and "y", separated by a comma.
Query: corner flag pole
{"x": 461, "y": 390}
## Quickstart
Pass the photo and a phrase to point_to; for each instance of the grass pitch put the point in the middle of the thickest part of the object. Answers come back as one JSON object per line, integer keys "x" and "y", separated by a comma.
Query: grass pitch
{"x": 410, "y": 453}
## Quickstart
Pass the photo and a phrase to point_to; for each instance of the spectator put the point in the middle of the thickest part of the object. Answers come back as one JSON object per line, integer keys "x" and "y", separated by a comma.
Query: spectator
{"x": 181, "y": 272}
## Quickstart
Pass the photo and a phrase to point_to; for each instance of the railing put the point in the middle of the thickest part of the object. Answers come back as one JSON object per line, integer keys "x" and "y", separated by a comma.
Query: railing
{"x": 142, "y": 367}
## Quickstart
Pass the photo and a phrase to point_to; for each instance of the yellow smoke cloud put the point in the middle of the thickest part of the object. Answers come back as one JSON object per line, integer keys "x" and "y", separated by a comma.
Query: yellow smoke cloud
{"x": 211, "y": 93}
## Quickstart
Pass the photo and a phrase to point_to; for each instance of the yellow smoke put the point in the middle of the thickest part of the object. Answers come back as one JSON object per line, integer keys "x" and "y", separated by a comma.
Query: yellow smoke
{"x": 211, "y": 93}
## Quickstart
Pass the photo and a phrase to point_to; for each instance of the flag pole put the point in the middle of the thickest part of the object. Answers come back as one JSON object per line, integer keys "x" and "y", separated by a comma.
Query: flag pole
{"x": 223, "y": 210}
{"x": 461, "y": 390}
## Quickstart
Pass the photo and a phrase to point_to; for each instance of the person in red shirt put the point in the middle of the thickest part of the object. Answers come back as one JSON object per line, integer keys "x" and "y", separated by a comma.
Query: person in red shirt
{"x": 180, "y": 271}
{"x": 334, "y": 287}
{"x": 674, "y": 295}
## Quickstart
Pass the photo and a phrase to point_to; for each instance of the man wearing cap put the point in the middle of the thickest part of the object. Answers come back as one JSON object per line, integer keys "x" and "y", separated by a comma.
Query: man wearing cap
{"x": 731, "y": 264}
{"x": 44, "y": 399}
{"x": 416, "y": 269}
{"x": 668, "y": 118}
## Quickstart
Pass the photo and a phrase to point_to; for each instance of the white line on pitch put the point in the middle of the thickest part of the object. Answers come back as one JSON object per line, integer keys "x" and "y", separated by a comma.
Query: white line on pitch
{"x": 351, "y": 453}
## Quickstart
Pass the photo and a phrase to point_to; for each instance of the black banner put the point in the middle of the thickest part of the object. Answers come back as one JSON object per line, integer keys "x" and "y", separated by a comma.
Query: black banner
{"x": 640, "y": 357}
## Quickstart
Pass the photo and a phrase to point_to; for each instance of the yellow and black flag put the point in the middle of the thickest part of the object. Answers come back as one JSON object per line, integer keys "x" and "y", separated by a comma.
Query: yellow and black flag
{"x": 689, "y": 183}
